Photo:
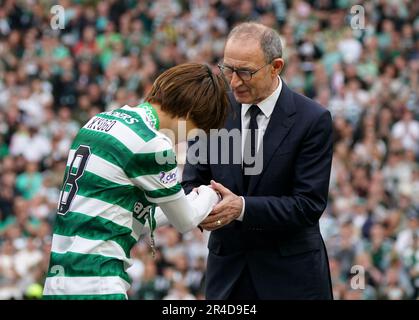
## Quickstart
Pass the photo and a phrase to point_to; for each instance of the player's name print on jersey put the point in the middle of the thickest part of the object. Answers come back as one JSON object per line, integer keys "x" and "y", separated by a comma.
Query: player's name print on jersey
{"x": 100, "y": 124}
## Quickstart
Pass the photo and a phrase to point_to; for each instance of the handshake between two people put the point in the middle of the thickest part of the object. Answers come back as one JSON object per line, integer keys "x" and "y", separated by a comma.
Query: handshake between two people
{"x": 225, "y": 211}
{"x": 210, "y": 207}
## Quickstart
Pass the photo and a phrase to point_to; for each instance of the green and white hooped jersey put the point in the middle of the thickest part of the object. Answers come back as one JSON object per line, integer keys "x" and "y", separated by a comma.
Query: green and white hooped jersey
{"x": 119, "y": 167}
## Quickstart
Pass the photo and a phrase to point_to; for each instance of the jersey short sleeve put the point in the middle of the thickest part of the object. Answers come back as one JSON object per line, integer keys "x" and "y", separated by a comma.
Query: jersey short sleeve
{"x": 154, "y": 169}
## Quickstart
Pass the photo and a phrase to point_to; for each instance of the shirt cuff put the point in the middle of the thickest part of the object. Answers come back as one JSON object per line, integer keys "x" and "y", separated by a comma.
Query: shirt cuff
{"x": 240, "y": 217}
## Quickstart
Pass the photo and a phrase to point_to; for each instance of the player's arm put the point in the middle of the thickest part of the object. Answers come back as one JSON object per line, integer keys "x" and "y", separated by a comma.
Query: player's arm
{"x": 186, "y": 212}
{"x": 161, "y": 218}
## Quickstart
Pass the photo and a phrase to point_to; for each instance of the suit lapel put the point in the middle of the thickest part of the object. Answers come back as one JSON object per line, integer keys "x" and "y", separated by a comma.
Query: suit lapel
{"x": 282, "y": 119}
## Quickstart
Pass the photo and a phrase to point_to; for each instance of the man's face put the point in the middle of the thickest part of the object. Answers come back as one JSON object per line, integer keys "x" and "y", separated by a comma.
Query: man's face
{"x": 247, "y": 55}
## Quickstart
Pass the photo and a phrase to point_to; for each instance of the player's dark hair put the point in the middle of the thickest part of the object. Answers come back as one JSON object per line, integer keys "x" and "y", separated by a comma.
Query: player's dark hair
{"x": 192, "y": 91}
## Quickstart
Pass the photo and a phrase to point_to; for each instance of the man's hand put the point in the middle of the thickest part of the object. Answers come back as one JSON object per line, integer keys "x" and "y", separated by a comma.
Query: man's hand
{"x": 224, "y": 212}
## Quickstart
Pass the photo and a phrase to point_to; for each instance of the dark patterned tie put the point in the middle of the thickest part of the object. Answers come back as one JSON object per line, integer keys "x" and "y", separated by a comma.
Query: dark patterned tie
{"x": 250, "y": 144}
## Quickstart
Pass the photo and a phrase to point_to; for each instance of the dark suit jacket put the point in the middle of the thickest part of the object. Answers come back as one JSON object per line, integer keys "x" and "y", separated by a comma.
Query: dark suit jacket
{"x": 279, "y": 237}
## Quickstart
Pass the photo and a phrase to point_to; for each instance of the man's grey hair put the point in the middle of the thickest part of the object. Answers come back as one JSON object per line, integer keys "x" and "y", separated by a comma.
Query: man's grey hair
{"x": 268, "y": 38}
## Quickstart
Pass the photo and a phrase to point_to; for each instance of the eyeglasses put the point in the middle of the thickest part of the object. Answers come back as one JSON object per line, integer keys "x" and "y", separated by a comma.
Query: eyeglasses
{"x": 244, "y": 75}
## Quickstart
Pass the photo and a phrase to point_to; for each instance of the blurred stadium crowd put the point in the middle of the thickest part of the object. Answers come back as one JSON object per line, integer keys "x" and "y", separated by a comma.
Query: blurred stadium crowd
{"x": 109, "y": 53}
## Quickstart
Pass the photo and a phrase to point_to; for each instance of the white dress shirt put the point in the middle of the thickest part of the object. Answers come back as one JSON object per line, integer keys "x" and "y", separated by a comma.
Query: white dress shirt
{"x": 267, "y": 107}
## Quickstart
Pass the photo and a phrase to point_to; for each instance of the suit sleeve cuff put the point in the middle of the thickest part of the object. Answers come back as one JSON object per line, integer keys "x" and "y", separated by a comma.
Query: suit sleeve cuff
{"x": 240, "y": 217}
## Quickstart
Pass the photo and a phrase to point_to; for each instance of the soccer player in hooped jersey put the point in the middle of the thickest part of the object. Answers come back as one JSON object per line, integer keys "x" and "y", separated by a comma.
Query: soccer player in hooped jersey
{"x": 116, "y": 186}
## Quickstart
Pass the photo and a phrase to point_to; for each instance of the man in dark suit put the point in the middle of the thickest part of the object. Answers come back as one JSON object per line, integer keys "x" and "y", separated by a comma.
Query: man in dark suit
{"x": 265, "y": 241}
